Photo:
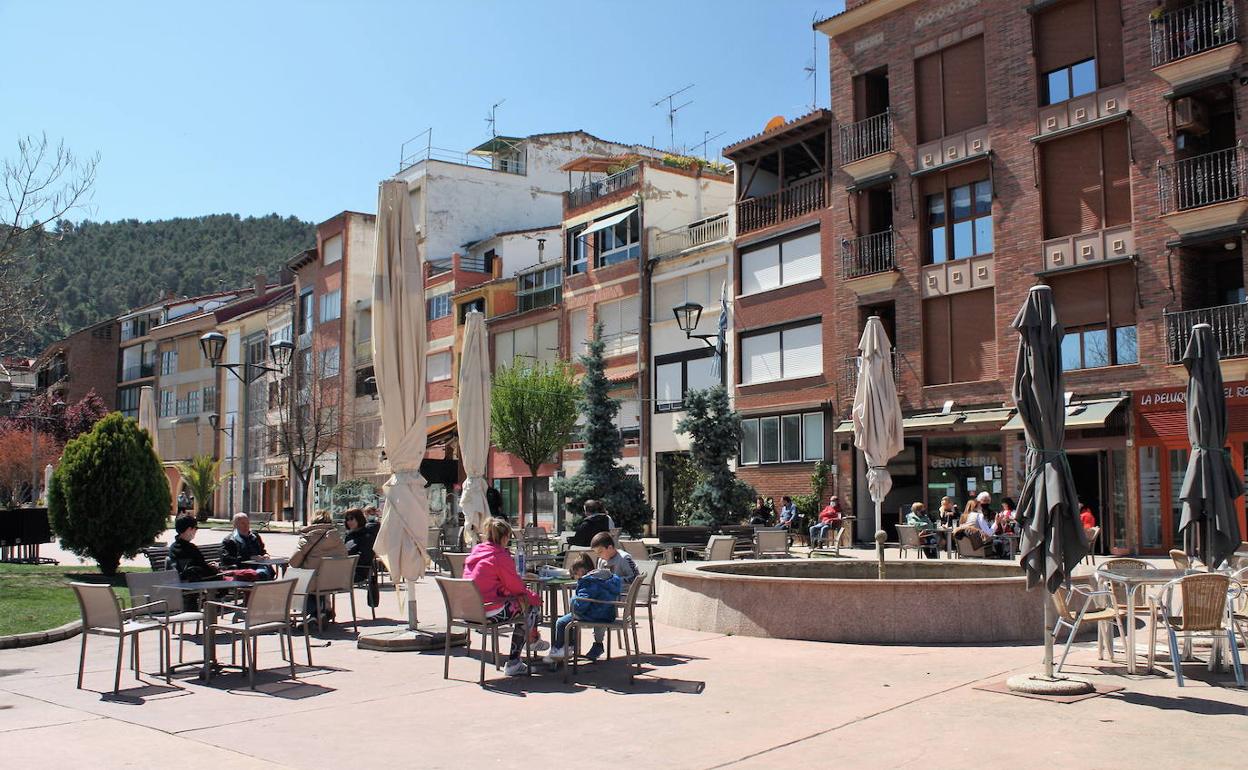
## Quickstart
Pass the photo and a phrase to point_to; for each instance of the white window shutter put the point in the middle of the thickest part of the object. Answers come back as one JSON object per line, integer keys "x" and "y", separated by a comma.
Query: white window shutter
{"x": 526, "y": 344}
{"x": 548, "y": 341}
{"x": 667, "y": 383}
{"x": 801, "y": 259}
{"x": 760, "y": 269}
{"x": 803, "y": 351}
{"x": 760, "y": 358}
{"x": 504, "y": 349}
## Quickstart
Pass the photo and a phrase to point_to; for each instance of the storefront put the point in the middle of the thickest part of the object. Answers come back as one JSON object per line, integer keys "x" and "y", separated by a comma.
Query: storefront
{"x": 1162, "y": 450}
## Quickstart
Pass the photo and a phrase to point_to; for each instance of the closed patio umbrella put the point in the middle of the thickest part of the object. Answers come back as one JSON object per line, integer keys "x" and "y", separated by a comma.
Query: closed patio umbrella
{"x": 1211, "y": 484}
{"x": 399, "y": 364}
{"x": 147, "y": 415}
{"x": 877, "y": 413}
{"x": 1053, "y": 541}
{"x": 473, "y": 419}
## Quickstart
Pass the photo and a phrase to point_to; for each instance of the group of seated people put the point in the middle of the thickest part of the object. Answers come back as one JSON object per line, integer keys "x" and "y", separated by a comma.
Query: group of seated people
{"x": 984, "y": 528}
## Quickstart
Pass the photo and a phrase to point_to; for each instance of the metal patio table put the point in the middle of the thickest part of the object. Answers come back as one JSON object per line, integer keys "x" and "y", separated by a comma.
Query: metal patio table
{"x": 1133, "y": 580}
{"x": 204, "y": 588}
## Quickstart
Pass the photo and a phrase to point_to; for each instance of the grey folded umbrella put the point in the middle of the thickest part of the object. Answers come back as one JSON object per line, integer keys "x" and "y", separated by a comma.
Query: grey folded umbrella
{"x": 1053, "y": 541}
{"x": 1211, "y": 484}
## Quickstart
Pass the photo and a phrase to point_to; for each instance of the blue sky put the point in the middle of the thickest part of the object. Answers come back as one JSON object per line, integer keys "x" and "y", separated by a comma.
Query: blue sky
{"x": 301, "y": 107}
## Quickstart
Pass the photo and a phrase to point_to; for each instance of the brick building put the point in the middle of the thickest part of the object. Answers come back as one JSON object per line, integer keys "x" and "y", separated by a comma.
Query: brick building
{"x": 982, "y": 147}
{"x": 83, "y": 361}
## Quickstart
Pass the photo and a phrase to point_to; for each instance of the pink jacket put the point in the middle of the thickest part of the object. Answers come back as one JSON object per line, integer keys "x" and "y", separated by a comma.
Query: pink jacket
{"x": 491, "y": 567}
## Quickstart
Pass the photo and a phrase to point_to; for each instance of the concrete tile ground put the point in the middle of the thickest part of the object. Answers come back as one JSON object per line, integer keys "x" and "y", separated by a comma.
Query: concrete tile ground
{"x": 706, "y": 701}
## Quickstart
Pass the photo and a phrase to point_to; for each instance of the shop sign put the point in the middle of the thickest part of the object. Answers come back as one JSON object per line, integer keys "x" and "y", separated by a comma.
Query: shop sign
{"x": 1175, "y": 399}
{"x": 935, "y": 461}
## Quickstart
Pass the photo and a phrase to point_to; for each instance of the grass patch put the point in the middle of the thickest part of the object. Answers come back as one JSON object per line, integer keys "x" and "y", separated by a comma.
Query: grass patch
{"x": 36, "y": 597}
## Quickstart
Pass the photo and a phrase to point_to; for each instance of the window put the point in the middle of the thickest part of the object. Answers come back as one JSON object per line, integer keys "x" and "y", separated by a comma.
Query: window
{"x": 787, "y": 353}
{"x": 364, "y": 326}
{"x": 968, "y": 317}
{"x": 509, "y": 490}
{"x": 959, "y": 222}
{"x": 439, "y": 306}
{"x": 305, "y": 311}
{"x": 281, "y": 334}
{"x": 788, "y": 438}
{"x": 192, "y": 402}
{"x": 578, "y": 251}
{"x": 949, "y": 90}
{"x": 628, "y": 419}
{"x": 210, "y": 398}
{"x": 331, "y": 306}
{"x": 330, "y": 361}
{"x": 578, "y": 333}
{"x": 1085, "y": 181}
{"x": 1097, "y": 310}
{"x": 529, "y": 344}
{"x": 128, "y": 401}
{"x": 169, "y": 362}
{"x": 702, "y": 287}
{"x": 784, "y": 263}
{"x": 1069, "y": 82}
{"x": 438, "y": 367}
{"x": 621, "y": 321}
{"x": 367, "y": 434}
{"x": 1078, "y": 48}
{"x": 365, "y": 382}
{"x": 332, "y": 250}
{"x": 168, "y": 399}
{"x": 677, "y": 374}
{"x": 620, "y": 242}
{"x": 538, "y": 288}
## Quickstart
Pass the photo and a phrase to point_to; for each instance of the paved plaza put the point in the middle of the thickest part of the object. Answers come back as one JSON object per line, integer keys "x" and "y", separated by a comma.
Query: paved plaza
{"x": 704, "y": 701}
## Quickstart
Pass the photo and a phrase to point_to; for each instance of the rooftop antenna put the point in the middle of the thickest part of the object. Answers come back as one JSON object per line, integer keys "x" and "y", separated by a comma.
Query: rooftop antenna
{"x": 812, "y": 69}
{"x": 492, "y": 119}
{"x": 671, "y": 111}
{"x": 706, "y": 140}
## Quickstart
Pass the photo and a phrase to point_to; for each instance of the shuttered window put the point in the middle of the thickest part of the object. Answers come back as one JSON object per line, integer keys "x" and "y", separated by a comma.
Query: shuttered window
{"x": 1085, "y": 181}
{"x": 1078, "y": 48}
{"x": 578, "y": 333}
{"x": 792, "y": 351}
{"x": 959, "y": 338}
{"x": 950, "y": 90}
{"x": 1097, "y": 310}
{"x": 770, "y": 266}
{"x": 529, "y": 344}
{"x": 620, "y": 321}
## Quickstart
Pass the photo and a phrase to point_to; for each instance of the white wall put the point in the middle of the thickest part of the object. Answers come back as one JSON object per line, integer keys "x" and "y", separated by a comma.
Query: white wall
{"x": 674, "y": 200}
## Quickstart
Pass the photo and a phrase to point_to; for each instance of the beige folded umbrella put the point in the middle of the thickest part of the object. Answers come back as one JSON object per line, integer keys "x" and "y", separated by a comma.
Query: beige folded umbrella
{"x": 877, "y": 413}
{"x": 147, "y": 415}
{"x": 472, "y": 418}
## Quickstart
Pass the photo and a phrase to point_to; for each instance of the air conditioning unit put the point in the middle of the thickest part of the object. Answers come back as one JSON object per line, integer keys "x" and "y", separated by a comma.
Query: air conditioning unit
{"x": 1191, "y": 116}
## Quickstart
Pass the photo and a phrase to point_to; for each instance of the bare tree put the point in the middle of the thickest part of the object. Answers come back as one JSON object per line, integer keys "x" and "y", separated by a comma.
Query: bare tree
{"x": 310, "y": 424}
{"x": 41, "y": 185}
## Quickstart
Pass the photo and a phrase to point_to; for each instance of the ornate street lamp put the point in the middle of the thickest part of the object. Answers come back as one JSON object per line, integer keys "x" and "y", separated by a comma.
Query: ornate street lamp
{"x": 687, "y": 317}
{"x": 213, "y": 345}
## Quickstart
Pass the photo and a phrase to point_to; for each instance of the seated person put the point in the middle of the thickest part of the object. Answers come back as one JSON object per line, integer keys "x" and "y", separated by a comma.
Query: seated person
{"x": 829, "y": 519}
{"x": 361, "y": 534}
{"x": 788, "y": 512}
{"x": 919, "y": 519}
{"x": 1086, "y": 517}
{"x": 243, "y": 545}
{"x": 491, "y": 567}
{"x": 948, "y": 513}
{"x": 621, "y": 564}
{"x": 761, "y": 516}
{"x": 185, "y": 556}
{"x": 599, "y": 585}
{"x": 595, "y": 520}
{"x": 319, "y": 540}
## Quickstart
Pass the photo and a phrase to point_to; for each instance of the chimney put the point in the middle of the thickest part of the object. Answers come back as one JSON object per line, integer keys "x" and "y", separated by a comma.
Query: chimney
{"x": 262, "y": 281}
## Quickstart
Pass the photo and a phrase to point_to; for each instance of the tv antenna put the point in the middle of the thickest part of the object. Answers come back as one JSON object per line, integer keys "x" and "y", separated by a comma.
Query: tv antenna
{"x": 492, "y": 119}
{"x": 706, "y": 140}
{"x": 672, "y": 108}
{"x": 812, "y": 69}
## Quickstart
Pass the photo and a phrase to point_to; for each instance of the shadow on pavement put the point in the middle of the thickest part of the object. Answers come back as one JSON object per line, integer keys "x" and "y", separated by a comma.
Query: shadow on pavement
{"x": 1184, "y": 703}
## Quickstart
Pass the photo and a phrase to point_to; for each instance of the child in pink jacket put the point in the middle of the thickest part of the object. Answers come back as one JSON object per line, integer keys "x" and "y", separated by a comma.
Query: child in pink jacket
{"x": 491, "y": 568}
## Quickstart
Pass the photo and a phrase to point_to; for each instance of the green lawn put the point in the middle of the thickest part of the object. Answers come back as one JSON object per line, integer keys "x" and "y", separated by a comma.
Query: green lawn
{"x": 38, "y": 597}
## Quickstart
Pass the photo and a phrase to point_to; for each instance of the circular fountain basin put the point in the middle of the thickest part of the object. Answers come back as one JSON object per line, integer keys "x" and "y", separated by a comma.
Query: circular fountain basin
{"x": 918, "y": 602}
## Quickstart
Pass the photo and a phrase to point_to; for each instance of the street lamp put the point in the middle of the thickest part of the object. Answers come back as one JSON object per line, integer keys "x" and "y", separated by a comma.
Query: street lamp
{"x": 213, "y": 345}
{"x": 214, "y": 420}
{"x": 687, "y": 317}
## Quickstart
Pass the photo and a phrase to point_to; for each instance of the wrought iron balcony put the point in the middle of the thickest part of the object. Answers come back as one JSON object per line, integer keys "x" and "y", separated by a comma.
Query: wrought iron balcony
{"x": 1216, "y": 177}
{"x": 1230, "y": 329}
{"x": 851, "y": 370}
{"x": 867, "y": 137}
{"x": 603, "y": 187}
{"x": 867, "y": 254}
{"x": 1193, "y": 29}
{"x": 773, "y": 208}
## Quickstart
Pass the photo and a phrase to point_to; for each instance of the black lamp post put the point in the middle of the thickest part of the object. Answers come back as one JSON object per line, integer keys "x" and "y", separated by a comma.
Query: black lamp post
{"x": 213, "y": 345}
{"x": 687, "y": 317}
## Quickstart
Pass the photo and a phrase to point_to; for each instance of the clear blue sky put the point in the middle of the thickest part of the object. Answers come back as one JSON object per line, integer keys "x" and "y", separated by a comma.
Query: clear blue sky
{"x": 300, "y": 107}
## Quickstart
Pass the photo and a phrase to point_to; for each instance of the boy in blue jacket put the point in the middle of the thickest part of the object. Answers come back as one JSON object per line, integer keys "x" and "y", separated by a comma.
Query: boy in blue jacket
{"x": 602, "y": 585}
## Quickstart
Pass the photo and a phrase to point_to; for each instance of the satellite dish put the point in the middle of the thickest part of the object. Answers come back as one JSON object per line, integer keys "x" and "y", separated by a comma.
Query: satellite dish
{"x": 775, "y": 122}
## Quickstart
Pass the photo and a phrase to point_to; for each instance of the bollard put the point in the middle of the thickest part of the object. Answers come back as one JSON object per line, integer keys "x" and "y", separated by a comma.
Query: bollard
{"x": 880, "y": 537}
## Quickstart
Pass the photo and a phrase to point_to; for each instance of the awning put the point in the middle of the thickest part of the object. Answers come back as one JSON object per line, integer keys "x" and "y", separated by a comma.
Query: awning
{"x": 938, "y": 420}
{"x": 982, "y": 416}
{"x": 930, "y": 420}
{"x": 441, "y": 435}
{"x": 1087, "y": 414}
{"x": 603, "y": 224}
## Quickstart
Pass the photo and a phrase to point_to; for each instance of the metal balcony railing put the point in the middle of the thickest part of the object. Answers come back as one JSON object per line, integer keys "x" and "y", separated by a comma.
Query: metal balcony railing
{"x": 1190, "y": 183}
{"x": 867, "y": 137}
{"x": 1230, "y": 329}
{"x": 867, "y": 254}
{"x": 1193, "y": 29}
{"x": 773, "y": 208}
{"x": 671, "y": 242}
{"x": 851, "y": 370}
{"x": 604, "y": 187}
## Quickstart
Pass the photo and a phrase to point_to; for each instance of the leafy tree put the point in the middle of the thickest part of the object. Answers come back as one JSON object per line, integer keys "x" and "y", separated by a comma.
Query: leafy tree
{"x": 20, "y": 464}
{"x": 600, "y": 477}
{"x": 309, "y": 426}
{"x": 533, "y": 413}
{"x": 202, "y": 476}
{"x": 354, "y": 493}
{"x": 683, "y": 477}
{"x": 808, "y": 506}
{"x": 62, "y": 422}
{"x": 109, "y": 496}
{"x": 714, "y": 426}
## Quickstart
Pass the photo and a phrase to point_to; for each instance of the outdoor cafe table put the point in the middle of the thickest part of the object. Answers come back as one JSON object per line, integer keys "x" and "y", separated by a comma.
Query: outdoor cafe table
{"x": 204, "y": 588}
{"x": 946, "y": 534}
{"x": 671, "y": 549}
{"x": 1132, "y": 580}
{"x": 553, "y": 586}
{"x": 279, "y": 562}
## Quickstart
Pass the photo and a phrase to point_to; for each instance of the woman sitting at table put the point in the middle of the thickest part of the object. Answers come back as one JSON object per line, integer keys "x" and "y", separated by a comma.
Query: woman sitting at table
{"x": 185, "y": 556}
{"x": 361, "y": 534}
{"x": 491, "y": 567}
{"x": 1006, "y": 522}
{"x": 947, "y": 516}
{"x": 919, "y": 519}
{"x": 968, "y": 526}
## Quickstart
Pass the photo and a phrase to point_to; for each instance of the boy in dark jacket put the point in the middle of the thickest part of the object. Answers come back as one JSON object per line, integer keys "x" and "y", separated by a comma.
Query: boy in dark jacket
{"x": 185, "y": 557}
{"x": 600, "y": 585}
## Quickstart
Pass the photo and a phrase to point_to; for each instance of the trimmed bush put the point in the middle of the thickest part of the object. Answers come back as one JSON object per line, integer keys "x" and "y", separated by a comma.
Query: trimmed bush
{"x": 109, "y": 497}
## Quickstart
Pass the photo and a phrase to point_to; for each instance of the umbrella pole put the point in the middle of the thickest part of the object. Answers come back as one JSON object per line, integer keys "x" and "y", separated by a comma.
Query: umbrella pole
{"x": 413, "y": 623}
{"x": 1049, "y": 620}
{"x": 879, "y": 517}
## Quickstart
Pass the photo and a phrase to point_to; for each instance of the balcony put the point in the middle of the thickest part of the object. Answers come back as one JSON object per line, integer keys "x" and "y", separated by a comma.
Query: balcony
{"x": 363, "y": 352}
{"x": 591, "y": 192}
{"x": 1230, "y": 329}
{"x": 850, "y": 369}
{"x": 773, "y": 208}
{"x": 1204, "y": 192}
{"x": 867, "y": 146}
{"x": 672, "y": 242}
{"x": 137, "y": 372}
{"x": 1195, "y": 41}
{"x": 869, "y": 255}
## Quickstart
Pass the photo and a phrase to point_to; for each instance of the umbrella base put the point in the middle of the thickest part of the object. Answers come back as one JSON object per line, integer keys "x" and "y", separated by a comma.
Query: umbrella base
{"x": 404, "y": 639}
{"x": 1039, "y": 684}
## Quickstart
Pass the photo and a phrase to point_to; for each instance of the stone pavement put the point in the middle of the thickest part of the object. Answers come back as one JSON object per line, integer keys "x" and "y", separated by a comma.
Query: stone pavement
{"x": 705, "y": 701}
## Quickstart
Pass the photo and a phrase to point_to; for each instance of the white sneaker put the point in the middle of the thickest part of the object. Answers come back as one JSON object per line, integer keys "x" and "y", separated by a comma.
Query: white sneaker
{"x": 554, "y": 657}
{"x": 516, "y": 668}
{"x": 539, "y": 645}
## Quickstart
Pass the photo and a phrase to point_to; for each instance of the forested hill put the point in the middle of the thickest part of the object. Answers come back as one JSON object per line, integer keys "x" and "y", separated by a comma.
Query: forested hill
{"x": 93, "y": 270}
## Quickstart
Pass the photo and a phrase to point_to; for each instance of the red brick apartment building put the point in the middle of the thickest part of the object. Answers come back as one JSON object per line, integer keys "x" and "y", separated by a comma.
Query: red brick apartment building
{"x": 975, "y": 148}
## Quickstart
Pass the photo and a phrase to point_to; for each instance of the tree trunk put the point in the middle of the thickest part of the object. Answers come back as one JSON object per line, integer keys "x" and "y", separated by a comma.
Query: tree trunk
{"x": 108, "y": 563}
{"x": 533, "y": 489}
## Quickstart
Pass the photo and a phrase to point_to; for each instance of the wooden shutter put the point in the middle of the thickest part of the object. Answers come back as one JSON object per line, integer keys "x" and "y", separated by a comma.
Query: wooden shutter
{"x": 1109, "y": 67}
{"x": 1071, "y": 184}
{"x": 963, "y": 86}
{"x": 860, "y": 97}
{"x": 1122, "y": 295}
{"x": 973, "y": 327}
{"x": 1116, "y": 160}
{"x": 1064, "y": 35}
{"x": 936, "y": 336}
{"x": 1080, "y": 298}
{"x": 927, "y": 102}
